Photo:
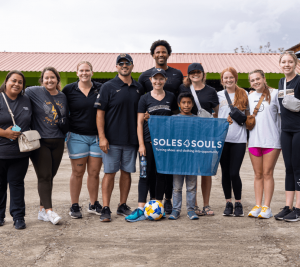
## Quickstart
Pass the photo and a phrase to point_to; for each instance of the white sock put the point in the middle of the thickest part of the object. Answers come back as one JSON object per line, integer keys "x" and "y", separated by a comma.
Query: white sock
{"x": 141, "y": 208}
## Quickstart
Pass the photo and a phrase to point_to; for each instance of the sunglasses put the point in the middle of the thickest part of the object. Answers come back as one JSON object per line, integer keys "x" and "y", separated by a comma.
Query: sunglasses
{"x": 121, "y": 64}
{"x": 288, "y": 52}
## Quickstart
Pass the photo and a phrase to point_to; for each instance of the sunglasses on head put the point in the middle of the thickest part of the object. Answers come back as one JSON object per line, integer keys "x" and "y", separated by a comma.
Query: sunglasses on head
{"x": 121, "y": 64}
{"x": 288, "y": 52}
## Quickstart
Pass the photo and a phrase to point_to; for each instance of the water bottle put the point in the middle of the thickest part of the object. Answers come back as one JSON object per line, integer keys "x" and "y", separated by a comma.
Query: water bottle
{"x": 143, "y": 167}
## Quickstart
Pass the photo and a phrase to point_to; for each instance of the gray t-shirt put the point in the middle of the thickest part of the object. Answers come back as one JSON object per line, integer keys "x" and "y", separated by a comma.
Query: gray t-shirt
{"x": 21, "y": 108}
{"x": 44, "y": 115}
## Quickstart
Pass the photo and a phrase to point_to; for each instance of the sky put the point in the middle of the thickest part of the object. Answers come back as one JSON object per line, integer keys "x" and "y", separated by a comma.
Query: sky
{"x": 215, "y": 26}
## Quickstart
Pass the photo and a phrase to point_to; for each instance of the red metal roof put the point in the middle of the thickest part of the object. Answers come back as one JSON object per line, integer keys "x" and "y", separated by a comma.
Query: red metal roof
{"x": 105, "y": 62}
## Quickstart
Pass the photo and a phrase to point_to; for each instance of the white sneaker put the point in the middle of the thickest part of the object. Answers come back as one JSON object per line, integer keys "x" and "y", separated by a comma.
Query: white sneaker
{"x": 43, "y": 216}
{"x": 53, "y": 217}
{"x": 265, "y": 213}
{"x": 255, "y": 211}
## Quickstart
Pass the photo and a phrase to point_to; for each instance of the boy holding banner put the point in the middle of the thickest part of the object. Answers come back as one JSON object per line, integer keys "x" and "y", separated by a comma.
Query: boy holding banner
{"x": 185, "y": 104}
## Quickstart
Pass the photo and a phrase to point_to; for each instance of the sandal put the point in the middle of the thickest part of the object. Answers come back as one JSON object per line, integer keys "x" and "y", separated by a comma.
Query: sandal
{"x": 198, "y": 211}
{"x": 208, "y": 211}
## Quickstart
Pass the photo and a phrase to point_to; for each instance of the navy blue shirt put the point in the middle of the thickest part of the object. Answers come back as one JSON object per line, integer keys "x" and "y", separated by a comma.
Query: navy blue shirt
{"x": 21, "y": 108}
{"x": 82, "y": 112}
{"x": 174, "y": 80}
{"x": 120, "y": 103}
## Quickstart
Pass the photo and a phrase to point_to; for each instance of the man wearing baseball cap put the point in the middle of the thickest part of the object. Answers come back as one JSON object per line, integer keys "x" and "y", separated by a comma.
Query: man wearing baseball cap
{"x": 161, "y": 50}
{"x": 117, "y": 123}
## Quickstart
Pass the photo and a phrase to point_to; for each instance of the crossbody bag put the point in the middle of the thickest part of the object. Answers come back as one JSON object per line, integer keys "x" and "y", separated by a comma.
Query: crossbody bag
{"x": 29, "y": 140}
{"x": 235, "y": 113}
{"x": 250, "y": 122}
{"x": 290, "y": 102}
{"x": 201, "y": 111}
{"x": 62, "y": 122}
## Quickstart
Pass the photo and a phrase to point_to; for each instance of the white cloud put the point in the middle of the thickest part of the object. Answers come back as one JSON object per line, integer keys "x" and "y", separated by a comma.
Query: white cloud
{"x": 131, "y": 26}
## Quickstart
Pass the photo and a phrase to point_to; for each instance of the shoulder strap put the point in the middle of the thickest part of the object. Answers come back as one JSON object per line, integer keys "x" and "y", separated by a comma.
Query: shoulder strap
{"x": 195, "y": 97}
{"x": 284, "y": 86}
{"x": 258, "y": 104}
{"x": 228, "y": 99}
{"x": 53, "y": 102}
{"x": 9, "y": 110}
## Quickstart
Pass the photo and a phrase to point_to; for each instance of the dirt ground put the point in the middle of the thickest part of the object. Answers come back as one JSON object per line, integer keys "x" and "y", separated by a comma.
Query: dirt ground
{"x": 209, "y": 241}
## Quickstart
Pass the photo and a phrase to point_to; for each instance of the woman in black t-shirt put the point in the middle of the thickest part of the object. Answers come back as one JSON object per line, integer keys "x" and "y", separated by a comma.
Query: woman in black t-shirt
{"x": 290, "y": 137}
{"x": 13, "y": 163}
{"x": 83, "y": 141}
{"x": 155, "y": 102}
{"x": 208, "y": 98}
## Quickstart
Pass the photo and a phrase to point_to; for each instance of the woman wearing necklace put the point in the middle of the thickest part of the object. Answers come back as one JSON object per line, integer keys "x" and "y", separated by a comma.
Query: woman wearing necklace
{"x": 208, "y": 99}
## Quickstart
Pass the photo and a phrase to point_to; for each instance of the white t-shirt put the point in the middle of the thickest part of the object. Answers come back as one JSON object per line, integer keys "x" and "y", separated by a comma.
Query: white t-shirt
{"x": 236, "y": 133}
{"x": 266, "y": 132}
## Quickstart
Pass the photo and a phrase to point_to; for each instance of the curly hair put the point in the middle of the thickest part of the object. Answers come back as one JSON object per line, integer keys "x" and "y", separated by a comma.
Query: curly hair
{"x": 3, "y": 86}
{"x": 240, "y": 98}
{"x": 158, "y": 43}
{"x": 266, "y": 90}
{"x": 56, "y": 74}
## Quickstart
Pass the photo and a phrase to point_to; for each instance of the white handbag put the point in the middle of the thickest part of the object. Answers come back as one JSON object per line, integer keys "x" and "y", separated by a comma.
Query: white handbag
{"x": 201, "y": 111}
{"x": 290, "y": 102}
{"x": 29, "y": 140}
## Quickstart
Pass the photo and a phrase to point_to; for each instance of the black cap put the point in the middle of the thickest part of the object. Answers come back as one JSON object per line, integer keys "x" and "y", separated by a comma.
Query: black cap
{"x": 195, "y": 66}
{"x": 126, "y": 56}
{"x": 158, "y": 71}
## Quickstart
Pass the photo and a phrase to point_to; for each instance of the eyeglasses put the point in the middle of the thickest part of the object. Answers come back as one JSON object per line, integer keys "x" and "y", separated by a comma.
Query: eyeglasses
{"x": 288, "y": 52}
{"x": 121, "y": 64}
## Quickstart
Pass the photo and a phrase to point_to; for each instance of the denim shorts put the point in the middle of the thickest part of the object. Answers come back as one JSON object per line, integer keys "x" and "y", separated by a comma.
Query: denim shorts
{"x": 81, "y": 146}
{"x": 120, "y": 157}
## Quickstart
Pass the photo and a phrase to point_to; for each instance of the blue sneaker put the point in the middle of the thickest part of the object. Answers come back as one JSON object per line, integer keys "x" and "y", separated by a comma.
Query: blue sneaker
{"x": 192, "y": 215}
{"x": 174, "y": 215}
{"x": 135, "y": 216}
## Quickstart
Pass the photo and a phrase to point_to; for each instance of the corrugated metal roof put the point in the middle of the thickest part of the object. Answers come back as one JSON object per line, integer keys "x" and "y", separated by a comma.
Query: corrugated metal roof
{"x": 105, "y": 62}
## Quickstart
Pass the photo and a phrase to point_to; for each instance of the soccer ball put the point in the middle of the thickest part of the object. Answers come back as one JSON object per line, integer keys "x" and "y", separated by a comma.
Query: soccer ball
{"x": 153, "y": 210}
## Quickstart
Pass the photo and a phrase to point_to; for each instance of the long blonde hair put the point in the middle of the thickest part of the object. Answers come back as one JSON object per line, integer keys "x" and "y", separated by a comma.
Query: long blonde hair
{"x": 266, "y": 90}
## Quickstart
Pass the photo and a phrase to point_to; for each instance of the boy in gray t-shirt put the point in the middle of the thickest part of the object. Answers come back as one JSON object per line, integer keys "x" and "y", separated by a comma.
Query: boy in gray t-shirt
{"x": 185, "y": 104}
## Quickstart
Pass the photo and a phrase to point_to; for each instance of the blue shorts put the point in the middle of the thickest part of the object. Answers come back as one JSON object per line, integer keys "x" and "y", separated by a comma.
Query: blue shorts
{"x": 81, "y": 146}
{"x": 120, "y": 157}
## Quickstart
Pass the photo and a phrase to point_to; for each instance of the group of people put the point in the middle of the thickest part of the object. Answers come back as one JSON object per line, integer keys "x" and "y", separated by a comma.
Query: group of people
{"x": 108, "y": 124}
